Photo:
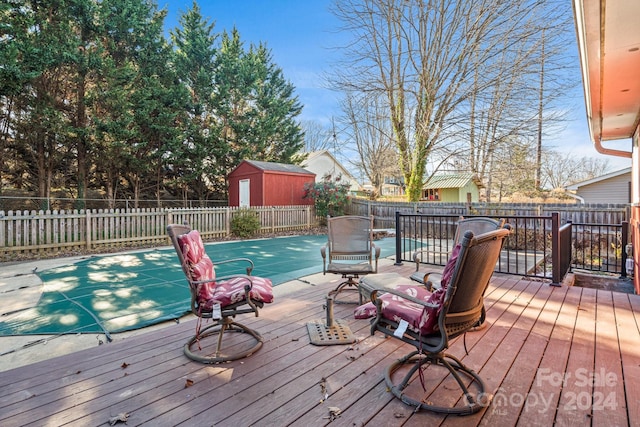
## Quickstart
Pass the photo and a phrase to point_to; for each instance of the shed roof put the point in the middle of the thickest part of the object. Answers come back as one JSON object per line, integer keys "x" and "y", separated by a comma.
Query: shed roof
{"x": 450, "y": 181}
{"x": 278, "y": 167}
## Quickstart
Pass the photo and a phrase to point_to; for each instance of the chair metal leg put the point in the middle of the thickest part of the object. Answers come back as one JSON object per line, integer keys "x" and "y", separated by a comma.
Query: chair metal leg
{"x": 344, "y": 286}
{"x": 472, "y": 402}
{"x": 219, "y": 328}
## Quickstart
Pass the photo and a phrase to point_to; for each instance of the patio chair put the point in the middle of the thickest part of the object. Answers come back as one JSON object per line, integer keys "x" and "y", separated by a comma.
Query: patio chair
{"x": 477, "y": 225}
{"x": 350, "y": 250}
{"x": 428, "y": 321}
{"x": 220, "y": 298}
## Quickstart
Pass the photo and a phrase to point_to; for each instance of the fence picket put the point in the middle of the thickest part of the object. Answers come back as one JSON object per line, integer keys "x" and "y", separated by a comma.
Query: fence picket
{"x": 48, "y": 232}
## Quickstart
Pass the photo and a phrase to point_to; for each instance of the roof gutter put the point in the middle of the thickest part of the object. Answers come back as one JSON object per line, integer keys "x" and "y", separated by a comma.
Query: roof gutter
{"x": 597, "y": 143}
{"x": 581, "y": 31}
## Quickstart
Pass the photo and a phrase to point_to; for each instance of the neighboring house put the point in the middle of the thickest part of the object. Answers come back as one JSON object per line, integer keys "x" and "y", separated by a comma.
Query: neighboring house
{"x": 392, "y": 187}
{"x": 614, "y": 187}
{"x": 323, "y": 163}
{"x": 255, "y": 183}
{"x": 462, "y": 187}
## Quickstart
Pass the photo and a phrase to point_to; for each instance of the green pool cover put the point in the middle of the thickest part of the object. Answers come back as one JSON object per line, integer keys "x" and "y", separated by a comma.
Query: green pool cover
{"x": 127, "y": 291}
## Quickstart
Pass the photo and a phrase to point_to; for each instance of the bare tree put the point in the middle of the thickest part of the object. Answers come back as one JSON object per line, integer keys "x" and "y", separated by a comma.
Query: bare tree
{"x": 423, "y": 56}
{"x": 559, "y": 170}
{"x": 316, "y": 136}
{"x": 367, "y": 125}
{"x": 497, "y": 116}
{"x": 512, "y": 169}
{"x": 459, "y": 78}
{"x": 553, "y": 72}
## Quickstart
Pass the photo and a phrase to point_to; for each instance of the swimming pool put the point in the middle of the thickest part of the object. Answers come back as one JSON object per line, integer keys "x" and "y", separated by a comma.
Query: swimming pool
{"x": 126, "y": 291}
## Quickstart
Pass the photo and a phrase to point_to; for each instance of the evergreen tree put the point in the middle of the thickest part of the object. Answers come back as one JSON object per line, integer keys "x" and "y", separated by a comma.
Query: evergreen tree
{"x": 194, "y": 54}
{"x": 93, "y": 98}
{"x": 254, "y": 108}
{"x": 231, "y": 106}
{"x": 44, "y": 40}
{"x": 275, "y": 127}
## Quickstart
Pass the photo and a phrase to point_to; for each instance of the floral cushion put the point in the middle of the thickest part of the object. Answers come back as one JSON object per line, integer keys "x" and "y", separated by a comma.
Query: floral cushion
{"x": 231, "y": 291}
{"x": 223, "y": 292}
{"x": 396, "y": 308}
{"x": 421, "y": 319}
{"x": 447, "y": 273}
{"x": 365, "y": 311}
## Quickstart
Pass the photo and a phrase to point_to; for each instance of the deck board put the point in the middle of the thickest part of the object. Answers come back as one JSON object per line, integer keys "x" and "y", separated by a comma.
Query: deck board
{"x": 540, "y": 344}
{"x": 627, "y": 310}
{"x": 574, "y": 408}
{"x": 608, "y": 365}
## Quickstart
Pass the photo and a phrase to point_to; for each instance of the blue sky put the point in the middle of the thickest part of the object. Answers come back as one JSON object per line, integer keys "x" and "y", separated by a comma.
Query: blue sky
{"x": 301, "y": 35}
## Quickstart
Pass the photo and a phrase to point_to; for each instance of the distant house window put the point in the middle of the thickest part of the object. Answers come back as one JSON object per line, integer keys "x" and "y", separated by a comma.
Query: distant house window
{"x": 432, "y": 194}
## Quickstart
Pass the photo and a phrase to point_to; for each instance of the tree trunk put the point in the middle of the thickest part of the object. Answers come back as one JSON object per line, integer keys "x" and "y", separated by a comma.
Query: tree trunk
{"x": 81, "y": 146}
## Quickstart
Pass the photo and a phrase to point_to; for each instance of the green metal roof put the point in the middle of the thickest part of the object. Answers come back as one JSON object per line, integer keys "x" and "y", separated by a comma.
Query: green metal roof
{"x": 450, "y": 181}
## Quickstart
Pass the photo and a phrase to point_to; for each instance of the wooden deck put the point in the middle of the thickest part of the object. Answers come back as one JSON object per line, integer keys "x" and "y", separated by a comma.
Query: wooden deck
{"x": 552, "y": 355}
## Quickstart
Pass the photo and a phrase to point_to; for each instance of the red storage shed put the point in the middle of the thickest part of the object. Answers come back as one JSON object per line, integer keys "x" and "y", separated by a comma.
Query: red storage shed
{"x": 255, "y": 183}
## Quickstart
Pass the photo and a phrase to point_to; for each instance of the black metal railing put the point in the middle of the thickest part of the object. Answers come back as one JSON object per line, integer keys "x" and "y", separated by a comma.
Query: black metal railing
{"x": 562, "y": 257}
{"x": 537, "y": 247}
{"x": 600, "y": 247}
{"x": 527, "y": 251}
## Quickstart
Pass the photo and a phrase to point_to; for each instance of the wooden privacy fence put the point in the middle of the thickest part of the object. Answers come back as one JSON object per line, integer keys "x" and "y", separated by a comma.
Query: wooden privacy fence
{"x": 384, "y": 212}
{"x": 52, "y": 231}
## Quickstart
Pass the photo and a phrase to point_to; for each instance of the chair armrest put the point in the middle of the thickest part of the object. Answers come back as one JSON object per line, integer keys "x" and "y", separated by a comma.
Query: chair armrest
{"x": 434, "y": 279}
{"x": 249, "y": 268}
{"x": 420, "y": 277}
{"x": 416, "y": 255}
{"x": 376, "y": 250}
{"x": 248, "y": 277}
{"x": 323, "y": 252}
{"x": 377, "y": 301}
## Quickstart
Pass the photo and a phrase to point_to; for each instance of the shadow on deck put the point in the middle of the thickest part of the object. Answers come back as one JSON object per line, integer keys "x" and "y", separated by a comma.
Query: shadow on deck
{"x": 544, "y": 355}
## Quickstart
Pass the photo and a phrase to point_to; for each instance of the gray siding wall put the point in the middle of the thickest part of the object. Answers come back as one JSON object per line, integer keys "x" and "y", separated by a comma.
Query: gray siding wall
{"x": 613, "y": 190}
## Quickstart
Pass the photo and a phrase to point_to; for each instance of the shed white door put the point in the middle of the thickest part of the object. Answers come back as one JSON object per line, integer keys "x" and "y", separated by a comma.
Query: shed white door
{"x": 245, "y": 193}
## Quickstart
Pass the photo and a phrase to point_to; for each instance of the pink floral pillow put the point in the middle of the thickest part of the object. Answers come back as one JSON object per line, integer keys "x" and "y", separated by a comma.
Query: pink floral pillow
{"x": 397, "y": 308}
{"x": 224, "y": 292}
{"x": 365, "y": 311}
{"x": 191, "y": 246}
{"x": 421, "y": 319}
{"x": 447, "y": 273}
{"x": 199, "y": 264}
{"x": 232, "y": 291}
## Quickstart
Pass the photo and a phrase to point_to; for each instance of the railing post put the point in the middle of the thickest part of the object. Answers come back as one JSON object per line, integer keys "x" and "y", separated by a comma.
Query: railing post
{"x": 555, "y": 250}
{"x": 398, "y": 240}
{"x": 625, "y": 241}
